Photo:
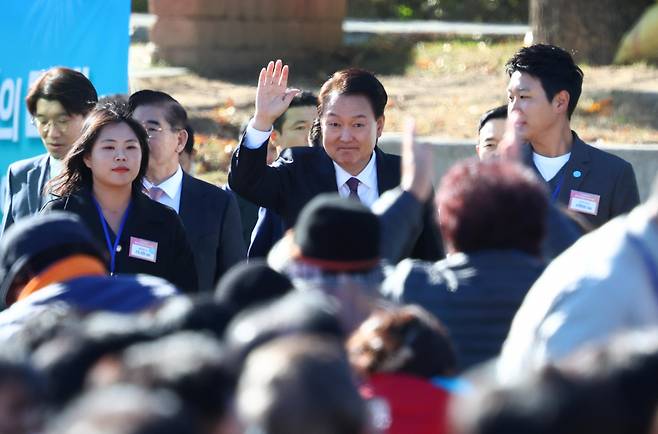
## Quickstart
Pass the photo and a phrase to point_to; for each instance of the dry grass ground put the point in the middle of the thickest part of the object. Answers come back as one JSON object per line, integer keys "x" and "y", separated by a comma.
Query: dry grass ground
{"x": 445, "y": 85}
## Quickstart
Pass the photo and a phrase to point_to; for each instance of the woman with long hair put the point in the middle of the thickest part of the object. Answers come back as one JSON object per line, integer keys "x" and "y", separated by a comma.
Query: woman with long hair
{"x": 102, "y": 183}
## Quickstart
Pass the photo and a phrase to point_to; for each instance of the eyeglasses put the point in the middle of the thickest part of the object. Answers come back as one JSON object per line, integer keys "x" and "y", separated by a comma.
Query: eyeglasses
{"x": 43, "y": 125}
{"x": 152, "y": 130}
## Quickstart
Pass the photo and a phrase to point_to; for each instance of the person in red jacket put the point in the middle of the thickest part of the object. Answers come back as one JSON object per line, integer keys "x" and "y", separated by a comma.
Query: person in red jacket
{"x": 406, "y": 359}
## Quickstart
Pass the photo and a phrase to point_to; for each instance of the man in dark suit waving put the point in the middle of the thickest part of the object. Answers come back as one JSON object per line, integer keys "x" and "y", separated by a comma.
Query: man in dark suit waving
{"x": 209, "y": 214}
{"x": 351, "y": 114}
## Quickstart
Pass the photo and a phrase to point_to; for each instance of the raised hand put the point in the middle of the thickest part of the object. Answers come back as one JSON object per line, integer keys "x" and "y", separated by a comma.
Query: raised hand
{"x": 510, "y": 145}
{"x": 417, "y": 164}
{"x": 273, "y": 95}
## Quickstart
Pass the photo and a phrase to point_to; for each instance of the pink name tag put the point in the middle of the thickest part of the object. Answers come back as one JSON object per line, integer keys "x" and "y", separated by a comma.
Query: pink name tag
{"x": 584, "y": 202}
{"x": 143, "y": 249}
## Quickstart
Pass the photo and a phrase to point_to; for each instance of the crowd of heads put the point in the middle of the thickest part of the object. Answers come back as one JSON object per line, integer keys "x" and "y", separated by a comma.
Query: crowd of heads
{"x": 304, "y": 342}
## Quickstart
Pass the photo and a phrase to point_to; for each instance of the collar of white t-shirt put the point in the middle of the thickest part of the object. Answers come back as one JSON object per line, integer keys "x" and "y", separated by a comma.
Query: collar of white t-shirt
{"x": 55, "y": 166}
{"x": 368, "y": 189}
{"x": 171, "y": 188}
{"x": 548, "y": 167}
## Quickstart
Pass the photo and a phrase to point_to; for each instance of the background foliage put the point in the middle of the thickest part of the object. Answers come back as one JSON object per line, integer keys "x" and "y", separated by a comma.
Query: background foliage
{"x": 509, "y": 11}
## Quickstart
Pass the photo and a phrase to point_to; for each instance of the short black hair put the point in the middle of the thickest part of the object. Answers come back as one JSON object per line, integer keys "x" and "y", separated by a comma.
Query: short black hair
{"x": 355, "y": 81}
{"x": 69, "y": 87}
{"x": 554, "y": 68}
{"x": 302, "y": 99}
{"x": 189, "y": 145}
{"x": 194, "y": 366}
{"x": 499, "y": 112}
{"x": 175, "y": 114}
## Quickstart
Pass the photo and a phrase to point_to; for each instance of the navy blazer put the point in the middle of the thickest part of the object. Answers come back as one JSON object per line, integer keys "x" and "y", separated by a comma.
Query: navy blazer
{"x": 594, "y": 171}
{"x": 302, "y": 173}
{"x": 268, "y": 230}
{"x": 148, "y": 220}
{"x": 212, "y": 223}
{"x": 23, "y": 189}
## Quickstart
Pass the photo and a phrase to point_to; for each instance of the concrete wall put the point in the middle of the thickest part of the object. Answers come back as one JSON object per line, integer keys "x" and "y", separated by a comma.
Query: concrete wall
{"x": 644, "y": 158}
{"x": 230, "y": 36}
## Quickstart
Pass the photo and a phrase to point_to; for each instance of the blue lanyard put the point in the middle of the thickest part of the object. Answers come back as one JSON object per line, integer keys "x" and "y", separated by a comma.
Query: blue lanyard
{"x": 112, "y": 247}
{"x": 558, "y": 187}
{"x": 649, "y": 263}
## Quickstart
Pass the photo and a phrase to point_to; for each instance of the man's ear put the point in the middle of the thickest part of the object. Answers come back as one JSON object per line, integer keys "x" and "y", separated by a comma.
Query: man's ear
{"x": 561, "y": 101}
{"x": 275, "y": 136}
{"x": 182, "y": 140}
{"x": 380, "y": 125}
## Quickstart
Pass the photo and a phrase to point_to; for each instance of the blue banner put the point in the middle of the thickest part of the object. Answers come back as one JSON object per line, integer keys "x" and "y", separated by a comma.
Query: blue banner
{"x": 91, "y": 36}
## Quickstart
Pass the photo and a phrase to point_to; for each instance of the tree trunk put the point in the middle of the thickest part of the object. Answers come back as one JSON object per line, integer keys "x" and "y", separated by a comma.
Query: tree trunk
{"x": 590, "y": 29}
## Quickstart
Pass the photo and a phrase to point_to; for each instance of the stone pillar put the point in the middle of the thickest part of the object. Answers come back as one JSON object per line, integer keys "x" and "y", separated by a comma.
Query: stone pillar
{"x": 231, "y": 36}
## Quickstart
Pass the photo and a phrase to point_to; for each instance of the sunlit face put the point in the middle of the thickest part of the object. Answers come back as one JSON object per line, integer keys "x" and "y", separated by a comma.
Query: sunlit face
{"x": 165, "y": 142}
{"x": 535, "y": 113}
{"x": 115, "y": 157}
{"x": 490, "y": 135}
{"x": 58, "y": 129}
{"x": 350, "y": 131}
{"x": 296, "y": 126}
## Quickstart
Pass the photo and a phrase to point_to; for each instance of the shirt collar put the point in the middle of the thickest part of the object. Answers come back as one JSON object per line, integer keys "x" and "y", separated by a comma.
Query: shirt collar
{"x": 170, "y": 186}
{"x": 55, "y": 166}
{"x": 367, "y": 177}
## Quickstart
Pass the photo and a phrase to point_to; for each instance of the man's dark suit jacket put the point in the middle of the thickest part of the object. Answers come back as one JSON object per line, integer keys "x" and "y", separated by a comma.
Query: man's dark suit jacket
{"x": 212, "y": 223}
{"x": 23, "y": 188}
{"x": 302, "y": 173}
{"x": 148, "y": 220}
{"x": 268, "y": 230}
{"x": 594, "y": 171}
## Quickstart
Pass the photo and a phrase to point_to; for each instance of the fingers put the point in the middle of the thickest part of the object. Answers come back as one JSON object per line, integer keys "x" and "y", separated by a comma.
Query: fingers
{"x": 262, "y": 78}
{"x": 283, "y": 80}
{"x": 409, "y": 136}
{"x": 276, "y": 76}
{"x": 417, "y": 165}
{"x": 510, "y": 146}
{"x": 289, "y": 95}
{"x": 270, "y": 72}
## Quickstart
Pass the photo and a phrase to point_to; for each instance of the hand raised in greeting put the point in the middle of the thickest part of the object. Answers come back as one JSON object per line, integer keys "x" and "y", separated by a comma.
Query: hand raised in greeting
{"x": 273, "y": 95}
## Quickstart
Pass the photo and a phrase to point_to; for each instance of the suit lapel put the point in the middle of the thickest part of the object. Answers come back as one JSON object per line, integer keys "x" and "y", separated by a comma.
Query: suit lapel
{"x": 324, "y": 172}
{"x": 388, "y": 171}
{"x": 187, "y": 201}
{"x": 36, "y": 180}
{"x": 576, "y": 170}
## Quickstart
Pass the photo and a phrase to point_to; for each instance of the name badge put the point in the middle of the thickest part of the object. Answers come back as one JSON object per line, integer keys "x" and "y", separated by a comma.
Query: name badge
{"x": 143, "y": 249}
{"x": 584, "y": 202}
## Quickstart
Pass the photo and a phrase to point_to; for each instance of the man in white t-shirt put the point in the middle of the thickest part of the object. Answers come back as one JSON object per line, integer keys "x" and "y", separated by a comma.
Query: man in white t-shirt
{"x": 543, "y": 92}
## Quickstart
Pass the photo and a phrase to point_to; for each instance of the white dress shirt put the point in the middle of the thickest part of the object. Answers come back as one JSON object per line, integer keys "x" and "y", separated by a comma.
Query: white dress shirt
{"x": 368, "y": 188}
{"x": 171, "y": 188}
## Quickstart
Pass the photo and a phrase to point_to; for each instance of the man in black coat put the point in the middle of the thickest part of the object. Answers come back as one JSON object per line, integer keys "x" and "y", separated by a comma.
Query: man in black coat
{"x": 351, "y": 114}
{"x": 210, "y": 215}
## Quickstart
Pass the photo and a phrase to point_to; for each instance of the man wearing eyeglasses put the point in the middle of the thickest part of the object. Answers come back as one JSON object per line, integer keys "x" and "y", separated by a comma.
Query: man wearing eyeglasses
{"x": 210, "y": 215}
{"x": 58, "y": 103}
